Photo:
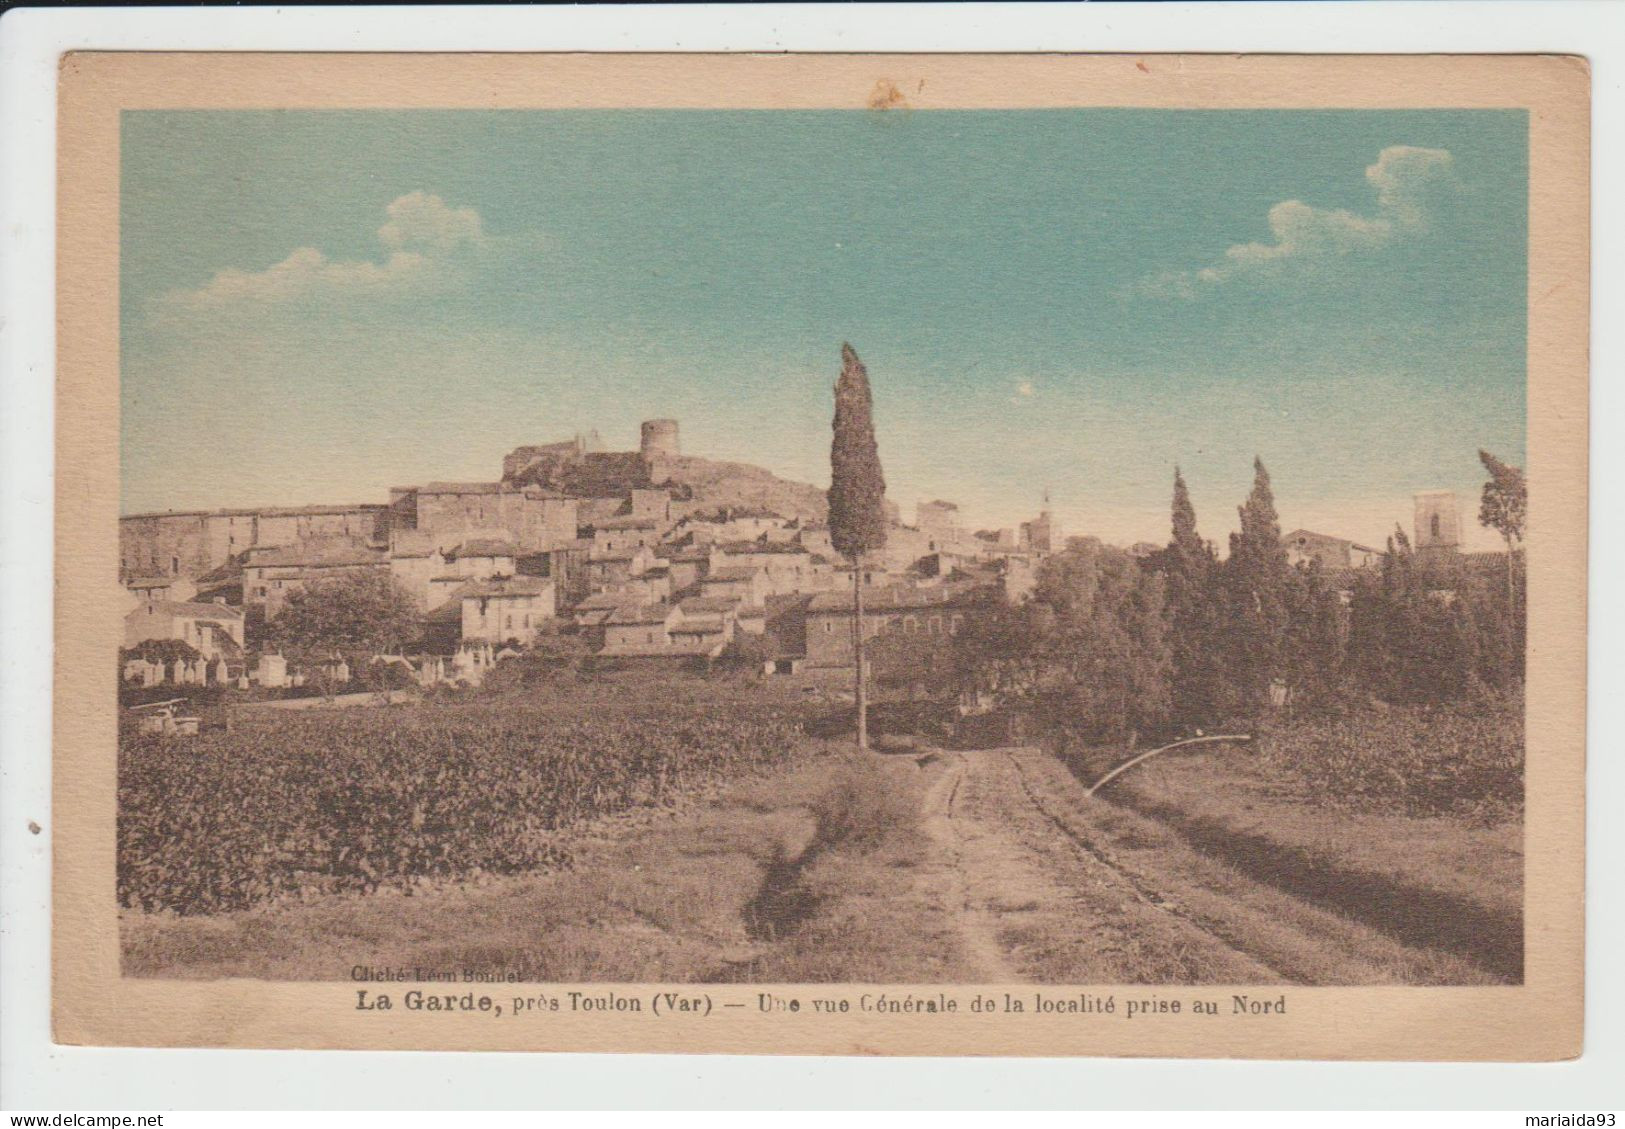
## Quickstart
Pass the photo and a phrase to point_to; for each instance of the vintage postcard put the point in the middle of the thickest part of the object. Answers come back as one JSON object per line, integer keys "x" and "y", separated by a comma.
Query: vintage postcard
{"x": 1041, "y": 555}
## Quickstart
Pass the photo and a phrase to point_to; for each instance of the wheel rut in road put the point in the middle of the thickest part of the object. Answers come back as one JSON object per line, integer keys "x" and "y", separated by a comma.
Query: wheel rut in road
{"x": 1039, "y": 902}
{"x": 1065, "y": 888}
{"x": 1145, "y": 891}
{"x": 974, "y": 915}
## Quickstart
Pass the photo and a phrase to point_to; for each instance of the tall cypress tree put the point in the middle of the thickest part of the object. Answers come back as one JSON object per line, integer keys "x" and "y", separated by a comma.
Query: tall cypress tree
{"x": 857, "y": 495}
{"x": 1257, "y": 576}
{"x": 1192, "y": 603}
{"x": 1313, "y": 649}
{"x": 1186, "y": 541}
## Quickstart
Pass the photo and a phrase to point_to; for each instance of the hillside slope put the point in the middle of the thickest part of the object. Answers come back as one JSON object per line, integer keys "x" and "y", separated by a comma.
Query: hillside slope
{"x": 714, "y": 483}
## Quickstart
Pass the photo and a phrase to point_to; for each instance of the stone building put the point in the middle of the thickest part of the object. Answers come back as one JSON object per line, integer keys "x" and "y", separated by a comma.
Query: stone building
{"x": 153, "y": 589}
{"x": 741, "y": 584}
{"x": 932, "y": 612}
{"x": 651, "y": 505}
{"x": 447, "y": 512}
{"x": 700, "y": 627}
{"x": 685, "y": 565}
{"x": 1038, "y": 535}
{"x": 623, "y": 534}
{"x": 591, "y": 614}
{"x": 905, "y": 546}
{"x": 607, "y": 569}
{"x": 504, "y": 609}
{"x": 733, "y": 523}
{"x": 416, "y": 570}
{"x": 214, "y": 630}
{"x": 786, "y": 568}
{"x": 271, "y": 575}
{"x": 638, "y": 629}
{"x": 193, "y": 542}
{"x": 1304, "y": 545}
{"x": 940, "y": 521}
{"x": 704, "y": 624}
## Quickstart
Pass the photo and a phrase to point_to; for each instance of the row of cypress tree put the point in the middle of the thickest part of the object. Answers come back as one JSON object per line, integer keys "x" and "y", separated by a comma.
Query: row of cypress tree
{"x": 1253, "y": 632}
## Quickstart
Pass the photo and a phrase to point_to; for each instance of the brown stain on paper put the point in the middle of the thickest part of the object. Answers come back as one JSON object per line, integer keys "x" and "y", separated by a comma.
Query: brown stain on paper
{"x": 886, "y": 96}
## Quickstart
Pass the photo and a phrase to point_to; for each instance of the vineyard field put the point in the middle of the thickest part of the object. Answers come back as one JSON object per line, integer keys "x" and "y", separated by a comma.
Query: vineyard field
{"x": 293, "y": 805}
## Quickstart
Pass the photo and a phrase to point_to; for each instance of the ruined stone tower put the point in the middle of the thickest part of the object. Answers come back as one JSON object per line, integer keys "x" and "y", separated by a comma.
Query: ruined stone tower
{"x": 660, "y": 440}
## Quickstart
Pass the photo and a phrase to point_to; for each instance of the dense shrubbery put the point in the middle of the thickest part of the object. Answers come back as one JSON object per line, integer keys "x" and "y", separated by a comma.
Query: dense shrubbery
{"x": 1460, "y": 759}
{"x": 554, "y": 659}
{"x": 1087, "y": 655}
{"x": 332, "y": 801}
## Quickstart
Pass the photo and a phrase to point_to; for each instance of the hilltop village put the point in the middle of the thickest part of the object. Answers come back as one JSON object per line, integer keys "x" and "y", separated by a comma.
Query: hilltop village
{"x": 640, "y": 555}
{"x": 644, "y": 554}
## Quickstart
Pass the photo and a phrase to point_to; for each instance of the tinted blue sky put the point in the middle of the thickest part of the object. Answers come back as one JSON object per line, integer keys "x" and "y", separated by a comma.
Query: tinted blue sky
{"x": 318, "y": 305}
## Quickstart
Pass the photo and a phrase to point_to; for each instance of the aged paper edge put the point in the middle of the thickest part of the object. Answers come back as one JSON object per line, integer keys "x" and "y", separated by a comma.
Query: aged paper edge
{"x": 92, "y": 1004}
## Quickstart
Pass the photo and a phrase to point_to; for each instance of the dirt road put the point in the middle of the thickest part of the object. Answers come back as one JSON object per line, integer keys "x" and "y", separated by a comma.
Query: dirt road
{"x": 1059, "y": 887}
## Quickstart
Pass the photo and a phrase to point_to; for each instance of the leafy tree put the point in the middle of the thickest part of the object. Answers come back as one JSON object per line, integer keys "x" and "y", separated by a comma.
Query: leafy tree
{"x": 1413, "y": 635}
{"x": 904, "y": 660}
{"x": 164, "y": 651}
{"x": 747, "y": 651}
{"x": 857, "y": 495}
{"x": 354, "y": 616}
{"x": 999, "y": 649}
{"x": 1504, "y": 507}
{"x": 1256, "y": 580}
{"x": 1088, "y": 652}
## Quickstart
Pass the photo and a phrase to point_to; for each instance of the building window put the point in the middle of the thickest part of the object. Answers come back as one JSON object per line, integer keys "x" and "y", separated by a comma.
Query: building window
{"x": 910, "y": 624}
{"x": 175, "y": 563}
{"x": 955, "y": 624}
{"x": 1433, "y": 524}
{"x": 935, "y": 625}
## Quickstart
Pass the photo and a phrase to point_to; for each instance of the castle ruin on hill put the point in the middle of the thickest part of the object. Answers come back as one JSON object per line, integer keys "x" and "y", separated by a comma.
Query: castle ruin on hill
{"x": 545, "y": 494}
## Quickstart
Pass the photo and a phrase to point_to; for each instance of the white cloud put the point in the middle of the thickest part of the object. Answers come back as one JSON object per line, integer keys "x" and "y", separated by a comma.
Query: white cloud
{"x": 421, "y": 234}
{"x": 1406, "y": 179}
{"x": 420, "y": 220}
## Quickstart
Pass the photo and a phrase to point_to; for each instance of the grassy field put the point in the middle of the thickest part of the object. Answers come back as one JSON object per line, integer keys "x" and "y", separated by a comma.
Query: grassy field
{"x": 1409, "y": 822}
{"x": 813, "y": 873}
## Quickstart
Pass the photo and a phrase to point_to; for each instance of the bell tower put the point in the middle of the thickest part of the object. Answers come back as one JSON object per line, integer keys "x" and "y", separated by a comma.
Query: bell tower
{"x": 1438, "y": 523}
